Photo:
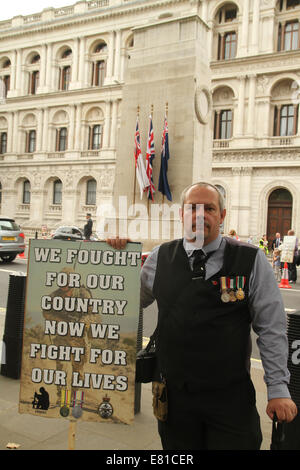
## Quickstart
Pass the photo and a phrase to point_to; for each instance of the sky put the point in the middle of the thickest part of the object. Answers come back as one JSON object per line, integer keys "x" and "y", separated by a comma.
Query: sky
{"x": 27, "y": 7}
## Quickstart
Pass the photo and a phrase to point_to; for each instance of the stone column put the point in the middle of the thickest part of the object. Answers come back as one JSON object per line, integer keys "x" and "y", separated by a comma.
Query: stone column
{"x": 255, "y": 27}
{"x": 75, "y": 51}
{"x": 12, "y": 92}
{"x": 244, "y": 211}
{"x": 15, "y": 132}
{"x": 48, "y": 83}
{"x": 45, "y": 130}
{"x": 251, "y": 104}
{"x": 113, "y": 130}
{"x": 109, "y": 67}
{"x": 235, "y": 199}
{"x": 18, "y": 72}
{"x": 239, "y": 121}
{"x": 10, "y": 132}
{"x": 106, "y": 129}
{"x": 42, "y": 80}
{"x": 81, "y": 61}
{"x": 117, "y": 56}
{"x": 71, "y": 127}
{"x": 243, "y": 49}
{"x": 39, "y": 137}
{"x": 77, "y": 145}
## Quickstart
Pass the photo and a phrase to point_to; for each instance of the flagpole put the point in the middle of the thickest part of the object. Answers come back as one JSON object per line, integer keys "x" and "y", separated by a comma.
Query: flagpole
{"x": 134, "y": 184}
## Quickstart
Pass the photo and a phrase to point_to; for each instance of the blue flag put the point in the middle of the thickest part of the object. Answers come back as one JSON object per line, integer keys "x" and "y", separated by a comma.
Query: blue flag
{"x": 163, "y": 185}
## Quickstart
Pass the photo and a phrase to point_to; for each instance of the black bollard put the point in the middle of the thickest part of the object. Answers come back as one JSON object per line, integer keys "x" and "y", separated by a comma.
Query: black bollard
{"x": 13, "y": 329}
{"x": 292, "y": 430}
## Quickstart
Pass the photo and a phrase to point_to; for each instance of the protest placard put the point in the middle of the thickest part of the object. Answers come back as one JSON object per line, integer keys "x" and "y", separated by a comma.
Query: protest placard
{"x": 287, "y": 249}
{"x": 80, "y": 331}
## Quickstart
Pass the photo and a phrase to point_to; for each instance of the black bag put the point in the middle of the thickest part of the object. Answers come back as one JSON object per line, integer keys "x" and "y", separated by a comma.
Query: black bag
{"x": 146, "y": 362}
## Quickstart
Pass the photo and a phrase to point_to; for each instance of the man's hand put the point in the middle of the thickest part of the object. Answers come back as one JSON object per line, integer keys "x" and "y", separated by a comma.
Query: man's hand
{"x": 285, "y": 409}
{"x": 118, "y": 243}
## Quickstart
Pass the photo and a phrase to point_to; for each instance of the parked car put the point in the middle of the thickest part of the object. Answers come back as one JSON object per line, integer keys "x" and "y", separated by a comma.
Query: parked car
{"x": 68, "y": 232}
{"x": 12, "y": 239}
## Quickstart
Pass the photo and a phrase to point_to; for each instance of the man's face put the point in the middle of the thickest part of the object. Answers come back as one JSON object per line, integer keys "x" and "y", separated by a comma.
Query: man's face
{"x": 210, "y": 215}
{"x": 277, "y": 235}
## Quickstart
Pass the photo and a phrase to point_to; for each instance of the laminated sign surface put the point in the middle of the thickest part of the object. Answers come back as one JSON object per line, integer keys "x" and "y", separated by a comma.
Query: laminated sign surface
{"x": 80, "y": 331}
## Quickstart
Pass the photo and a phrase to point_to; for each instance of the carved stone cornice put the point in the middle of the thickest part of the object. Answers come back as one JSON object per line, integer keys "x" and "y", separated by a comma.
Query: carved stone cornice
{"x": 268, "y": 156}
{"x": 92, "y": 16}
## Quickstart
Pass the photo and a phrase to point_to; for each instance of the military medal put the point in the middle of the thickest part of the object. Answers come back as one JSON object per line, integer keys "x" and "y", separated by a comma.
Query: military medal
{"x": 240, "y": 295}
{"x": 225, "y": 297}
{"x": 105, "y": 409}
{"x": 65, "y": 403}
{"x": 77, "y": 405}
{"x": 232, "y": 290}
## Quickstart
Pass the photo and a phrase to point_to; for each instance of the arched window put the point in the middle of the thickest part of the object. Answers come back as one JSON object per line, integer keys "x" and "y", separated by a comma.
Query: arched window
{"x": 95, "y": 137}
{"x": 65, "y": 78}
{"x": 26, "y": 192}
{"x": 57, "y": 192}
{"x": 30, "y": 141}
{"x": 61, "y": 139}
{"x": 91, "y": 192}
{"x": 3, "y": 142}
{"x": 99, "y": 58}
{"x": 226, "y": 31}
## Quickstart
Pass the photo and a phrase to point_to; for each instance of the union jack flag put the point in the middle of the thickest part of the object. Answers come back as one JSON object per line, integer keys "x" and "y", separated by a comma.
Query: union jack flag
{"x": 150, "y": 155}
{"x": 139, "y": 162}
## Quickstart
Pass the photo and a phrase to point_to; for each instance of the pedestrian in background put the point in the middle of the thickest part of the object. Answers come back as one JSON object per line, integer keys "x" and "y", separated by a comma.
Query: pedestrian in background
{"x": 88, "y": 228}
{"x": 276, "y": 242}
{"x": 292, "y": 266}
{"x": 263, "y": 244}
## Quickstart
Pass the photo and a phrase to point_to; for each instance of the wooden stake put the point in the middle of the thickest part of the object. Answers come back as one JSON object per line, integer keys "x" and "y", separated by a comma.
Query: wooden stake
{"x": 72, "y": 434}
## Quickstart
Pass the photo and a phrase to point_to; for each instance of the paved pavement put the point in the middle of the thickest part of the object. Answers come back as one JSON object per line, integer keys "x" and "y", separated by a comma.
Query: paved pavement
{"x": 37, "y": 433}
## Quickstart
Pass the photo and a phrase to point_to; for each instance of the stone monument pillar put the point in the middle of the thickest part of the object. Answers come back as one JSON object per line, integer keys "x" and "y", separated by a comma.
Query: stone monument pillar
{"x": 167, "y": 70}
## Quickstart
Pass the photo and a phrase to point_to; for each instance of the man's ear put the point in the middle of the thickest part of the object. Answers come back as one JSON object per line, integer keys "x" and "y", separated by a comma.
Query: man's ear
{"x": 223, "y": 215}
{"x": 181, "y": 214}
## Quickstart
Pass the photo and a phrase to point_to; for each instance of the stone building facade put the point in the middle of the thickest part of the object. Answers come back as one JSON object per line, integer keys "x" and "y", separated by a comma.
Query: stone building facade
{"x": 74, "y": 77}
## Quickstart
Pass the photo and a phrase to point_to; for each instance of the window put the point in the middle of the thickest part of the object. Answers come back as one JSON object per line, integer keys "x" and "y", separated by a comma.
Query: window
{"x": 67, "y": 53}
{"x": 230, "y": 45}
{"x": 26, "y": 192}
{"x": 95, "y": 137}
{"x": 30, "y": 141}
{"x": 227, "y": 13}
{"x": 99, "y": 71}
{"x": 101, "y": 47}
{"x": 65, "y": 78}
{"x": 34, "y": 82}
{"x": 285, "y": 120}
{"x": 223, "y": 124}
{"x": 91, "y": 192}
{"x": 57, "y": 192}
{"x": 61, "y": 139}
{"x": 227, "y": 46}
{"x": 292, "y": 4}
{"x": 3, "y": 142}
{"x": 288, "y": 36}
{"x": 5, "y": 85}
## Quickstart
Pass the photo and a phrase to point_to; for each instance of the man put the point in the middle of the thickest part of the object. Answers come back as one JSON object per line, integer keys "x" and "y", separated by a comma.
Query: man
{"x": 292, "y": 266}
{"x": 88, "y": 228}
{"x": 203, "y": 344}
{"x": 277, "y": 242}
